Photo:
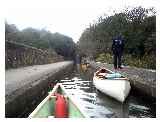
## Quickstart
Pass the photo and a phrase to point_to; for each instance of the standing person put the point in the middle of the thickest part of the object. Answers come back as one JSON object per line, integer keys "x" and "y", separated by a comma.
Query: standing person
{"x": 117, "y": 48}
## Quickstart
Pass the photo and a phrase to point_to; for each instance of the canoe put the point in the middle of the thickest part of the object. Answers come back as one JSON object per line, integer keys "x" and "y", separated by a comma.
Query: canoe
{"x": 112, "y": 84}
{"x": 50, "y": 108}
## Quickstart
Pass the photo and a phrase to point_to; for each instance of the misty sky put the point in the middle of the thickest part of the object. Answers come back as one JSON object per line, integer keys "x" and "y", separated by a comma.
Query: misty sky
{"x": 68, "y": 17}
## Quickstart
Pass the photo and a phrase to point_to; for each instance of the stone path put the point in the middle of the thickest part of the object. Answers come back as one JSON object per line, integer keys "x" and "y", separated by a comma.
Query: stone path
{"x": 17, "y": 78}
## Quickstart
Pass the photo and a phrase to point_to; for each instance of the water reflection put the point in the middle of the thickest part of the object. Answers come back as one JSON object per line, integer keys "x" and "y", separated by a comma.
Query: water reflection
{"x": 97, "y": 104}
{"x": 86, "y": 94}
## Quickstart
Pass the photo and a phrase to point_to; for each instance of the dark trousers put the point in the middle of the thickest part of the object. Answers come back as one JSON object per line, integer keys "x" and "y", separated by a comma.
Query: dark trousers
{"x": 117, "y": 60}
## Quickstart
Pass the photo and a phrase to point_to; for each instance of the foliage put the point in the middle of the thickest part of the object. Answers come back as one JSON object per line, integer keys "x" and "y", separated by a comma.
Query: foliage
{"x": 42, "y": 39}
{"x": 136, "y": 25}
{"x": 145, "y": 61}
{"x": 104, "y": 57}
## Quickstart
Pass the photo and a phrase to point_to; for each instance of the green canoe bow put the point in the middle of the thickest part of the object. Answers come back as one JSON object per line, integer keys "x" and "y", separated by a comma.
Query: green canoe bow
{"x": 47, "y": 107}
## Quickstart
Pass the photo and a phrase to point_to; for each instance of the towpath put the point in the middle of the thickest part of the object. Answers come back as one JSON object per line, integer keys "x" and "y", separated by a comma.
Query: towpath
{"x": 17, "y": 78}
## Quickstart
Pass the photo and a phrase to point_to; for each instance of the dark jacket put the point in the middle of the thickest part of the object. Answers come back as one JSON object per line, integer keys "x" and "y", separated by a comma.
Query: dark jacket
{"x": 118, "y": 45}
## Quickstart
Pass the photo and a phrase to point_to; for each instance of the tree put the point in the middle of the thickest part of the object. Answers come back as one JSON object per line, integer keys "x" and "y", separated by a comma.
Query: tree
{"x": 42, "y": 39}
{"x": 11, "y": 32}
{"x": 136, "y": 25}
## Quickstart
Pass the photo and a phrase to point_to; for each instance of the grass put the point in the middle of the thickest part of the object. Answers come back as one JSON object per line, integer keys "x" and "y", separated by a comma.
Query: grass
{"x": 146, "y": 61}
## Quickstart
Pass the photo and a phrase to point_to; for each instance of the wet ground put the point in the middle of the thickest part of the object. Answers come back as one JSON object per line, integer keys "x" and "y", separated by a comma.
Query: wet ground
{"x": 98, "y": 105}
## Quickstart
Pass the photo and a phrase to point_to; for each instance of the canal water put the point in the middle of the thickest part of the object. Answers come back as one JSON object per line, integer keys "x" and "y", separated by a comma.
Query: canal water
{"x": 98, "y": 105}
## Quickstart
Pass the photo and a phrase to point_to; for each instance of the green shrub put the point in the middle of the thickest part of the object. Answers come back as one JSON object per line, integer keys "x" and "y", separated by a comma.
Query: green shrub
{"x": 105, "y": 58}
{"x": 147, "y": 61}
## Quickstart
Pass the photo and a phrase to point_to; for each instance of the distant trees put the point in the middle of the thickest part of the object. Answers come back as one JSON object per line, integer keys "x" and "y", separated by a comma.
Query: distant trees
{"x": 136, "y": 25}
{"x": 42, "y": 39}
{"x": 11, "y": 32}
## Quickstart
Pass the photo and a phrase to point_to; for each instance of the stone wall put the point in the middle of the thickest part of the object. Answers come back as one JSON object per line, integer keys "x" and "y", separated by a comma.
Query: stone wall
{"x": 19, "y": 55}
{"x": 23, "y": 100}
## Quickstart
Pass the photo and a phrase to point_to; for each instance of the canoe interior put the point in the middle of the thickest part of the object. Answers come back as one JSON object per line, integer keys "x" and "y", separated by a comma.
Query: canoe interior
{"x": 47, "y": 109}
{"x": 103, "y": 70}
